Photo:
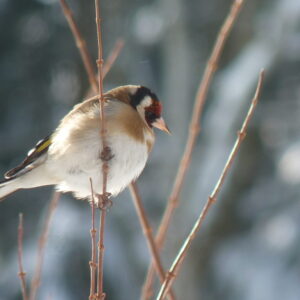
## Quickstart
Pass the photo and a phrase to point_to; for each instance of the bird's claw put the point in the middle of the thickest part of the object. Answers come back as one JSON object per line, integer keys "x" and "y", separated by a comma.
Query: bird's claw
{"x": 104, "y": 202}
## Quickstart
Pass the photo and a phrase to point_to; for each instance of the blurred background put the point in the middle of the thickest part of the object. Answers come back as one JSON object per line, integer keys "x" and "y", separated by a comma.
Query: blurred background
{"x": 249, "y": 246}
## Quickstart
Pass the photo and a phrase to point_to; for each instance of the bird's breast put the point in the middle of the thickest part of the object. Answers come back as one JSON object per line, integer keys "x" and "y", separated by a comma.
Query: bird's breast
{"x": 129, "y": 159}
{"x": 77, "y": 152}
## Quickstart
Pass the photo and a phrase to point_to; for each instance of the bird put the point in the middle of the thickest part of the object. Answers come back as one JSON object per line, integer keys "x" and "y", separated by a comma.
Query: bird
{"x": 70, "y": 157}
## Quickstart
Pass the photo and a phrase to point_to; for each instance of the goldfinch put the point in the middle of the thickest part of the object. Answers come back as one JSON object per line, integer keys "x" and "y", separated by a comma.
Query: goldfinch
{"x": 71, "y": 156}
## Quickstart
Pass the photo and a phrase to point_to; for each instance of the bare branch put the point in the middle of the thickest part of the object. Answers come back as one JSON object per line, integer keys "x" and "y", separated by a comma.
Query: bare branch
{"x": 147, "y": 290}
{"x": 21, "y": 273}
{"x": 115, "y": 52}
{"x": 93, "y": 264}
{"x": 97, "y": 86}
{"x": 36, "y": 279}
{"x": 104, "y": 154}
{"x": 173, "y": 271}
{"x": 100, "y": 294}
{"x": 147, "y": 230}
{"x": 194, "y": 130}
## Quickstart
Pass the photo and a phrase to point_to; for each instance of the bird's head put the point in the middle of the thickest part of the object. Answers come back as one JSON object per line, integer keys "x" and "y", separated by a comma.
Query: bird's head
{"x": 148, "y": 106}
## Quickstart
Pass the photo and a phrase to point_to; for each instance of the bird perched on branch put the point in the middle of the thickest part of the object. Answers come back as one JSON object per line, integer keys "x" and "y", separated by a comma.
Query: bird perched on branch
{"x": 71, "y": 156}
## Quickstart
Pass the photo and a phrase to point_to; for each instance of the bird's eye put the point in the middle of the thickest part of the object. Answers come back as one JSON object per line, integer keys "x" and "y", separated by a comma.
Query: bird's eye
{"x": 150, "y": 116}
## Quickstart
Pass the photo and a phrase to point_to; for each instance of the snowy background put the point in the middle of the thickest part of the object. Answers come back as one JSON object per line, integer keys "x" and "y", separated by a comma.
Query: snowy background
{"x": 249, "y": 246}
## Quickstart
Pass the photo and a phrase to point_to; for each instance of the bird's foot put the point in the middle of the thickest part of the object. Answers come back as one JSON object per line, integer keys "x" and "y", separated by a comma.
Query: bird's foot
{"x": 106, "y": 154}
{"x": 104, "y": 202}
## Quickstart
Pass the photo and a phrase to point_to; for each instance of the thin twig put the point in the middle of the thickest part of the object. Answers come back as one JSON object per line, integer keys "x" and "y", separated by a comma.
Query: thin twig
{"x": 173, "y": 271}
{"x": 21, "y": 273}
{"x": 100, "y": 294}
{"x": 147, "y": 289}
{"x": 194, "y": 130}
{"x": 115, "y": 52}
{"x": 148, "y": 234}
{"x": 36, "y": 279}
{"x": 97, "y": 86}
{"x": 104, "y": 155}
{"x": 93, "y": 264}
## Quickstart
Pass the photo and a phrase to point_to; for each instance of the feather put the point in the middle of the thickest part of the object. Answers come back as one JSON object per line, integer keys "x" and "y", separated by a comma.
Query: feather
{"x": 32, "y": 159}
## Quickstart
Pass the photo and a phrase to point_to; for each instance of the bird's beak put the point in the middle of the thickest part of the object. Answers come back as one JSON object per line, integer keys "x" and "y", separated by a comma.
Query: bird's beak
{"x": 160, "y": 124}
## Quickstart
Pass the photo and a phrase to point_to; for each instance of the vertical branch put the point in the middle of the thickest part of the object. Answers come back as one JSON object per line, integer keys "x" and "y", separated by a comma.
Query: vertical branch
{"x": 35, "y": 283}
{"x": 97, "y": 86}
{"x": 148, "y": 233}
{"x": 105, "y": 154}
{"x": 21, "y": 273}
{"x": 194, "y": 127}
{"x": 100, "y": 294}
{"x": 100, "y": 88}
{"x": 93, "y": 264}
{"x": 173, "y": 271}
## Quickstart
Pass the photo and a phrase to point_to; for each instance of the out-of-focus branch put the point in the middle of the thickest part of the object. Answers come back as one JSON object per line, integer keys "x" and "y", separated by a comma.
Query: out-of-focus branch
{"x": 197, "y": 111}
{"x": 81, "y": 44}
{"x": 85, "y": 55}
{"x": 36, "y": 279}
{"x": 173, "y": 271}
{"x": 148, "y": 233}
{"x": 115, "y": 52}
{"x": 194, "y": 130}
{"x": 21, "y": 273}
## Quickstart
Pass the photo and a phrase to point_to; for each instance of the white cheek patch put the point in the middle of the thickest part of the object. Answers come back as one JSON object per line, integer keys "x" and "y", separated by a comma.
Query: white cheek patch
{"x": 147, "y": 101}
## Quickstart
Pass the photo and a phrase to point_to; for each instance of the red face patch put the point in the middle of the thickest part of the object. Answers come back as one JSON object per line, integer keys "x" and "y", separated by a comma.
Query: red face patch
{"x": 153, "y": 112}
{"x": 155, "y": 107}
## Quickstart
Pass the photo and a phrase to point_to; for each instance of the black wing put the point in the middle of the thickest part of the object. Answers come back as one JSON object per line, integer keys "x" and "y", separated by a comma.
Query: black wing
{"x": 32, "y": 156}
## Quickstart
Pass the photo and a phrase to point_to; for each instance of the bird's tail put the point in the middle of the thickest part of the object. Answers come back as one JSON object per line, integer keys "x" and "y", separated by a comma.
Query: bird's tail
{"x": 7, "y": 187}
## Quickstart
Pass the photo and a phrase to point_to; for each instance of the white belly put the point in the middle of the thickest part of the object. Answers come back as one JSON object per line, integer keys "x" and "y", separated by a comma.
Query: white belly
{"x": 129, "y": 159}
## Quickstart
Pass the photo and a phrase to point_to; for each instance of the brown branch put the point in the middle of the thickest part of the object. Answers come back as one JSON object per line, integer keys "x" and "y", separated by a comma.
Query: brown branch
{"x": 100, "y": 294}
{"x": 173, "y": 271}
{"x": 194, "y": 130}
{"x": 97, "y": 86}
{"x": 106, "y": 152}
{"x": 147, "y": 230}
{"x": 114, "y": 54}
{"x": 21, "y": 273}
{"x": 81, "y": 44}
{"x": 36, "y": 279}
{"x": 93, "y": 264}
{"x": 147, "y": 289}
